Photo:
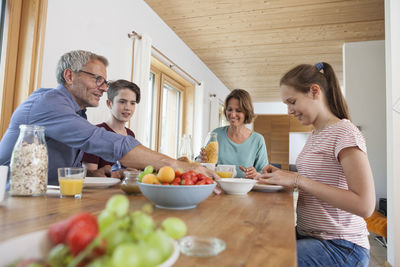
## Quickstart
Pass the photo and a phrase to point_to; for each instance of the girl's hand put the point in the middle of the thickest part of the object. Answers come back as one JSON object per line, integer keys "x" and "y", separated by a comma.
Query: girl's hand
{"x": 250, "y": 172}
{"x": 203, "y": 156}
{"x": 269, "y": 168}
{"x": 278, "y": 177}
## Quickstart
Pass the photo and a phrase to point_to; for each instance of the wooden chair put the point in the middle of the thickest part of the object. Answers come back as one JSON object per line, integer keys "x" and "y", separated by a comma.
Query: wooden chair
{"x": 377, "y": 224}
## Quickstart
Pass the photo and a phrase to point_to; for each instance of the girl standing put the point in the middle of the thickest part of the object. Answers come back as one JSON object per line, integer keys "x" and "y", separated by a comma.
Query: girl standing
{"x": 336, "y": 189}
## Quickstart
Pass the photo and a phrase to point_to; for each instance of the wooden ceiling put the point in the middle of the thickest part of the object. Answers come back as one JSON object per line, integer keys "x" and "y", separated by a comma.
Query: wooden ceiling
{"x": 250, "y": 44}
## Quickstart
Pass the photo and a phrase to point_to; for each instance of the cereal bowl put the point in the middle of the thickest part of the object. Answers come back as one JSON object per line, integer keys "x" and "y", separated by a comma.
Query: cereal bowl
{"x": 176, "y": 197}
{"x": 236, "y": 186}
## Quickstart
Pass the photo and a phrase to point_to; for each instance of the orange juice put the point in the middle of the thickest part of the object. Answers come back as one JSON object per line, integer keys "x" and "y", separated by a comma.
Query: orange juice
{"x": 224, "y": 174}
{"x": 70, "y": 187}
{"x": 212, "y": 152}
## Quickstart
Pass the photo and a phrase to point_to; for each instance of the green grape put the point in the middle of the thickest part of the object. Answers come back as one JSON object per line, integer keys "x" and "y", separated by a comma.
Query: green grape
{"x": 174, "y": 227}
{"x": 35, "y": 264}
{"x": 115, "y": 238}
{"x": 126, "y": 255}
{"x": 161, "y": 242}
{"x": 143, "y": 225}
{"x": 141, "y": 176}
{"x": 58, "y": 255}
{"x": 105, "y": 219}
{"x": 147, "y": 208}
{"x": 150, "y": 256}
{"x": 103, "y": 261}
{"x": 119, "y": 204}
{"x": 148, "y": 169}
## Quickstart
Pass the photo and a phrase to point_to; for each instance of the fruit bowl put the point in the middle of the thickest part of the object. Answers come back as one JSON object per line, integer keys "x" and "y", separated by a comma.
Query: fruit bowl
{"x": 176, "y": 197}
{"x": 236, "y": 186}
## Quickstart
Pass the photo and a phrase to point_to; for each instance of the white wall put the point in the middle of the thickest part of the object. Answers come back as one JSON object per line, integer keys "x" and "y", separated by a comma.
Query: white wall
{"x": 364, "y": 81}
{"x": 102, "y": 26}
{"x": 270, "y": 108}
{"x": 392, "y": 33}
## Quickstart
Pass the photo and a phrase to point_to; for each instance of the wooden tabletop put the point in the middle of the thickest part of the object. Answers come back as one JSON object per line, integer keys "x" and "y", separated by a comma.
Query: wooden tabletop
{"x": 258, "y": 228}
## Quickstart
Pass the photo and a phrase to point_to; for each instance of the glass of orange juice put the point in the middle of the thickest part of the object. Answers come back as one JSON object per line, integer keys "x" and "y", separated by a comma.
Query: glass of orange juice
{"x": 71, "y": 181}
{"x": 226, "y": 171}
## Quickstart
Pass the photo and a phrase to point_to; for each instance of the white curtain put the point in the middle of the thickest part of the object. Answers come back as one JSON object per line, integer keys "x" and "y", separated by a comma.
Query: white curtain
{"x": 214, "y": 112}
{"x": 140, "y": 121}
{"x": 198, "y": 118}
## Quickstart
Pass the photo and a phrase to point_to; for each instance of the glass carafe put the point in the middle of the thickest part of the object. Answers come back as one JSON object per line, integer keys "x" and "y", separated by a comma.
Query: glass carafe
{"x": 186, "y": 148}
{"x": 29, "y": 162}
{"x": 211, "y": 147}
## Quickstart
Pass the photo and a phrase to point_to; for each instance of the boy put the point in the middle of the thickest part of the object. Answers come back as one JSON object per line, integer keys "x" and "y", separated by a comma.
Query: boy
{"x": 122, "y": 99}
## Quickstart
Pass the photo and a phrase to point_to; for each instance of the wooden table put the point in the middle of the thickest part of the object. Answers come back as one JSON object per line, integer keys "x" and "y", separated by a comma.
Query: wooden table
{"x": 258, "y": 228}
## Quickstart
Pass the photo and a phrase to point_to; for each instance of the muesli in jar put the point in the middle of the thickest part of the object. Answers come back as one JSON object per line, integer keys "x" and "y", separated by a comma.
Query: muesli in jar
{"x": 29, "y": 163}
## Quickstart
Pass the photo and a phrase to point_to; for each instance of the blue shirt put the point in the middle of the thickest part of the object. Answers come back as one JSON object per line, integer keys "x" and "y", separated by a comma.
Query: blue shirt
{"x": 67, "y": 131}
{"x": 251, "y": 152}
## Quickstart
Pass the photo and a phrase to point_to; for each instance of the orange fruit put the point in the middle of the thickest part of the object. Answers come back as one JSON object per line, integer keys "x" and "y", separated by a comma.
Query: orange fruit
{"x": 166, "y": 174}
{"x": 150, "y": 179}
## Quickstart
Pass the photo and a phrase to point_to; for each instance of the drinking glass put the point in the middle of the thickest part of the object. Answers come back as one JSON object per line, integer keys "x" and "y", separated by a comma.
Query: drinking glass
{"x": 211, "y": 147}
{"x": 226, "y": 171}
{"x": 71, "y": 181}
{"x": 186, "y": 148}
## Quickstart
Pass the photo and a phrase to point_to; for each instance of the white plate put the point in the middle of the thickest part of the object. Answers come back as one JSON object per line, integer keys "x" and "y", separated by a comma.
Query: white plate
{"x": 37, "y": 245}
{"x": 99, "y": 182}
{"x": 267, "y": 187}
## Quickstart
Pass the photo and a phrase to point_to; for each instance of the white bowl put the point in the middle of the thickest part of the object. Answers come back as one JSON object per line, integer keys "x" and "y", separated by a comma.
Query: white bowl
{"x": 236, "y": 186}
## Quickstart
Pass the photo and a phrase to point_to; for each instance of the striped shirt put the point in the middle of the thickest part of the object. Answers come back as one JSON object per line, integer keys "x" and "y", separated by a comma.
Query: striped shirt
{"x": 319, "y": 161}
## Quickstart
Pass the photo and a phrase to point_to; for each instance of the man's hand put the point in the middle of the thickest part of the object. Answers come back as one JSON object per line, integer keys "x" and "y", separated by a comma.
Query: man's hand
{"x": 102, "y": 172}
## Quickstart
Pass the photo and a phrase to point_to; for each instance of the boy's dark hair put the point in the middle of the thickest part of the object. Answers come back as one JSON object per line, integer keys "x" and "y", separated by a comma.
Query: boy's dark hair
{"x": 115, "y": 86}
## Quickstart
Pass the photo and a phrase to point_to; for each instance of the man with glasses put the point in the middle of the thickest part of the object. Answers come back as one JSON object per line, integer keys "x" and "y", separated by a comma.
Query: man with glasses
{"x": 82, "y": 81}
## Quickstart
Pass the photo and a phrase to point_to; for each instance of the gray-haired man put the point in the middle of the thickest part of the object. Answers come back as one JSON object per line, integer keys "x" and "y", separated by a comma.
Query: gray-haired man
{"x": 82, "y": 81}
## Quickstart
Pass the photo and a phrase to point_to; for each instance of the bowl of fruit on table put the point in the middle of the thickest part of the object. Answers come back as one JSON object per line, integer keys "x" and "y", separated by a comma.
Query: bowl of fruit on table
{"x": 118, "y": 237}
{"x": 177, "y": 190}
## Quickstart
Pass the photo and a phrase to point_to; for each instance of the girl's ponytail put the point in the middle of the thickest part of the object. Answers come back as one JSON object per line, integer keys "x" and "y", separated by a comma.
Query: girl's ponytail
{"x": 303, "y": 76}
{"x": 336, "y": 101}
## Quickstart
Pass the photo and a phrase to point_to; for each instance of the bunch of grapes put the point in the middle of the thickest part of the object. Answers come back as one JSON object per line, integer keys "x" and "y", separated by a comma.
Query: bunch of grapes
{"x": 147, "y": 170}
{"x": 127, "y": 238}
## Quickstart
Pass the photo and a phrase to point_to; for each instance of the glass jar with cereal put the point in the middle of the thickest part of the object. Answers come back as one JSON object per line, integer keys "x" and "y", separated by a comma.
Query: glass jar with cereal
{"x": 29, "y": 162}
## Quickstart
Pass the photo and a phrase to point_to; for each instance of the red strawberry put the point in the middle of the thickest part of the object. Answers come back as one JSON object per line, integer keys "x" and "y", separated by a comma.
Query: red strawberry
{"x": 58, "y": 232}
{"x": 80, "y": 235}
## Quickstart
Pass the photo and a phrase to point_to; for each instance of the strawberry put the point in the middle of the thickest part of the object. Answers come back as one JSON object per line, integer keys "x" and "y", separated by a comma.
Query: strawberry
{"x": 58, "y": 232}
{"x": 80, "y": 235}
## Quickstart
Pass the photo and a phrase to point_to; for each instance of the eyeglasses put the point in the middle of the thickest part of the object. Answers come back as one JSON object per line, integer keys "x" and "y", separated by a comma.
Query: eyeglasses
{"x": 100, "y": 81}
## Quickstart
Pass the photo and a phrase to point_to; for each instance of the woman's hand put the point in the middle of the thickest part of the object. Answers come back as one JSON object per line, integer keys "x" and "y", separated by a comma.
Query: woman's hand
{"x": 250, "y": 172}
{"x": 203, "y": 155}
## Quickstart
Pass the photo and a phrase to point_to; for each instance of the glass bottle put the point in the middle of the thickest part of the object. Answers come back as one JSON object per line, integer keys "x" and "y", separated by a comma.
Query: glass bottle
{"x": 29, "y": 162}
{"x": 211, "y": 147}
{"x": 186, "y": 148}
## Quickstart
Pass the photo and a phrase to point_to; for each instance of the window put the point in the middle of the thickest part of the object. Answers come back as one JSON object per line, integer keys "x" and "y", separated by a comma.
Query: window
{"x": 2, "y": 18}
{"x": 171, "y": 109}
{"x": 171, "y": 118}
{"x": 222, "y": 120}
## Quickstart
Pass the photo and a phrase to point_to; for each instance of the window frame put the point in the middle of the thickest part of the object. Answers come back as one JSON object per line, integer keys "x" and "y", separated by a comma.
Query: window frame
{"x": 162, "y": 73}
